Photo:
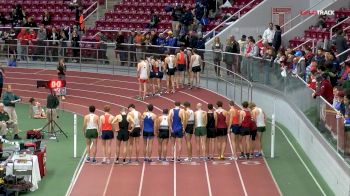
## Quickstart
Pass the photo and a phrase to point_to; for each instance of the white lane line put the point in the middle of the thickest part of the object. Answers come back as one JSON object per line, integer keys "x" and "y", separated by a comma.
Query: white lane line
{"x": 141, "y": 181}
{"x": 238, "y": 170}
{"x": 302, "y": 161}
{"x": 108, "y": 180}
{"x": 175, "y": 159}
{"x": 208, "y": 179}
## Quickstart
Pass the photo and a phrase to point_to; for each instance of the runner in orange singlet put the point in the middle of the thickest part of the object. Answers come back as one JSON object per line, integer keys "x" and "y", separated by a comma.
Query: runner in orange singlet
{"x": 107, "y": 135}
{"x": 234, "y": 125}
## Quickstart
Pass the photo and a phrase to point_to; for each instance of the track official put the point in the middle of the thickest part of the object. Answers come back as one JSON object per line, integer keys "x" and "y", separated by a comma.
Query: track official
{"x": 51, "y": 112}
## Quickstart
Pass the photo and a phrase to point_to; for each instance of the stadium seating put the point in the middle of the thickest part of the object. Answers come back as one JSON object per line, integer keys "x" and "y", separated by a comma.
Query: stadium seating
{"x": 320, "y": 34}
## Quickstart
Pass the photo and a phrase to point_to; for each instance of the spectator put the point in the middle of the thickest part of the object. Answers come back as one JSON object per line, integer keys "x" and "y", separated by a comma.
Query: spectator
{"x": 199, "y": 10}
{"x": 319, "y": 57}
{"x": 2, "y": 75}
{"x": 30, "y": 22}
{"x": 332, "y": 67}
{"x": 154, "y": 20}
{"x": 228, "y": 56}
{"x": 192, "y": 39}
{"x": 36, "y": 110}
{"x": 277, "y": 38}
{"x": 339, "y": 102}
{"x": 102, "y": 53}
{"x": 23, "y": 41}
{"x": 138, "y": 41}
{"x": 176, "y": 14}
{"x": 5, "y": 123}
{"x": 81, "y": 23}
{"x": 345, "y": 70}
{"x": 300, "y": 67}
{"x": 217, "y": 48}
{"x": 75, "y": 45}
{"x": 321, "y": 23}
{"x": 325, "y": 88}
{"x": 201, "y": 47}
{"x": 18, "y": 15}
{"x": 132, "y": 49}
{"x": 147, "y": 42}
{"x": 63, "y": 43}
{"x": 171, "y": 41}
{"x": 183, "y": 40}
{"x": 309, "y": 55}
{"x": 10, "y": 100}
{"x": 341, "y": 45}
{"x": 252, "y": 48}
{"x": 269, "y": 34}
{"x": 120, "y": 48}
{"x": 187, "y": 20}
{"x": 3, "y": 19}
{"x": 52, "y": 102}
{"x": 54, "y": 38}
{"x": 46, "y": 18}
{"x": 154, "y": 37}
{"x": 346, "y": 83}
{"x": 242, "y": 44}
{"x": 40, "y": 50}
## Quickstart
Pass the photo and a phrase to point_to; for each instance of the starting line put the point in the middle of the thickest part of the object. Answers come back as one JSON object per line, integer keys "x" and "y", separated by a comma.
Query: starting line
{"x": 193, "y": 163}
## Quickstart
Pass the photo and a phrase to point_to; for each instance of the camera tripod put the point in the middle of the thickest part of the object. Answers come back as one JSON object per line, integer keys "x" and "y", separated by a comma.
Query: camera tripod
{"x": 51, "y": 124}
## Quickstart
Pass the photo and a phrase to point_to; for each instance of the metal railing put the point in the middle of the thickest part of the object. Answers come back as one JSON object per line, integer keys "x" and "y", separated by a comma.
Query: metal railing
{"x": 300, "y": 15}
{"x": 237, "y": 14}
{"x": 307, "y": 41}
{"x": 334, "y": 26}
{"x": 88, "y": 11}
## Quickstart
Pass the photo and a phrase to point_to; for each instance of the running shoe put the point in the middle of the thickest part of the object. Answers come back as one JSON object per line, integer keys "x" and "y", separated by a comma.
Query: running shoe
{"x": 145, "y": 160}
{"x": 94, "y": 160}
{"x": 104, "y": 161}
{"x": 233, "y": 158}
{"x": 129, "y": 161}
{"x": 87, "y": 160}
{"x": 116, "y": 161}
{"x": 222, "y": 157}
{"x": 108, "y": 161}
{"x": 259, "y": 154}
{"x": 188, "y": 159}
{"x": 241, "y": 157}
{"x": 164, "y": 160}
{"x": 159, "y": 159}
{"x": 149, "y": 160}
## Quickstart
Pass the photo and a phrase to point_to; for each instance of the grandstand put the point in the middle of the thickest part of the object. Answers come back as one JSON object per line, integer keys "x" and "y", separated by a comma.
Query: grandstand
{"x": 282, "y": 55}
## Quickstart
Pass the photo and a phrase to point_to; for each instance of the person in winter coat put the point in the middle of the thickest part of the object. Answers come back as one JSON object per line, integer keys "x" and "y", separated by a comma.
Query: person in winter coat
{"x": 325, "y": 88}
{"x": 277, "y": 38}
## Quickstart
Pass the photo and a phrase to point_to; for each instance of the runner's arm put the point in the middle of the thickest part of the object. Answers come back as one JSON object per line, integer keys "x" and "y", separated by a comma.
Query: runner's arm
{"x": 84, "y": 126}
{"x": 205, "y": 120}
{"x": 170, "y": 120}
{"x": 231, "y": 113}
{"x": 131, "y": 123}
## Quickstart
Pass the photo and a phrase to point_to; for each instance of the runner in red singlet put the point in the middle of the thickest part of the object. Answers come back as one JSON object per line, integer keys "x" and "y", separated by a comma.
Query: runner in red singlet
{"x": 245, "y": 121}
{"x": 221, "y": 129}
{"x": 107, "y": 133}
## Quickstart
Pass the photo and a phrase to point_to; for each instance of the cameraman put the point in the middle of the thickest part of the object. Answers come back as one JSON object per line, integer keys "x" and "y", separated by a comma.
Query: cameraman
{"x": 51, "y": 111}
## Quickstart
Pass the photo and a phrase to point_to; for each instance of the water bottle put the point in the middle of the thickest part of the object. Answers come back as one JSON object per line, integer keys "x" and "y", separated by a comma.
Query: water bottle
{"x": 17, "y": 148}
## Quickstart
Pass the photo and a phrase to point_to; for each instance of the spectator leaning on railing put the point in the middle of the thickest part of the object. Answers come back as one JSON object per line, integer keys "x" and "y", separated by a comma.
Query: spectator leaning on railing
{"x": 269, "y": 34}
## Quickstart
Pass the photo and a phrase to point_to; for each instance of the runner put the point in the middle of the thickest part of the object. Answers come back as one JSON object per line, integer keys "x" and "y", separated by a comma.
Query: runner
{"x": 159, "y": 76}
{"x": 181, "y": 62}
{"x": 149, "y": 125}
{"x": 259, "y": 117}
{"x": 90, "y": 131}
{"x": 211, "y": 132}
{"x": 200, "y": 131}
{"x": 170, "y": 71}
{"x": 107, "y": 133}
{"x": 221, "y": 129}
{"x": 235, "y": 128}
{"x": 177, "y": 122}
{"x": 152, "y": 76}
{"x": 245, "y": 121}
{"x": 125, "y": 126}
{"x": 163, "y": 135}
{"x": 136, "y": 132}
{"x": 143, "y": 74}
{"x": 189, "y": 121}
{"x": 195, "y": 67}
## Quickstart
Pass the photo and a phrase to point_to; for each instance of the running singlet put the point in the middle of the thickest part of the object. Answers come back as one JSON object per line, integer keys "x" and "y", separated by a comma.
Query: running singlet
{"x": 260, "y": 120}
{"x": 235, "y": 118}
{"x": 143, "y": 71}
{"x": 210, "y": 120}
{"x": 196, "y": 61}
{"x": 177, "y": 124}
{"x": 171, "y": 62}
{"x": 91, "y": 124}
{"x": 191, "y": 119}
{"x": 148, "y": 123}
{"x": 181, "y": 59}
{"x": 164, "y": 123}
{"x": 124, "y": 124}
{"x": 199, "y": 118}
{"x": 221, "y": 120}
{"x": 106, "y": 126}
{"x": 136, "y": 118}
{"x": 247, "y": 120}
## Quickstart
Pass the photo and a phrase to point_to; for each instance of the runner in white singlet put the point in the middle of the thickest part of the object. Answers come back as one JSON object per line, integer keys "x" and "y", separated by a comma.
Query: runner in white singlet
{"x": 195, "y": 67}
{"x": 200, "y": 130}
{"x": 163, "y": 135}
{"x": 170, "y": 71}
{"x": 260, "y": 119}
{"x": 143, "y": 73}
{"x": 136, "y": 132}
{"x": 90, "y": 131}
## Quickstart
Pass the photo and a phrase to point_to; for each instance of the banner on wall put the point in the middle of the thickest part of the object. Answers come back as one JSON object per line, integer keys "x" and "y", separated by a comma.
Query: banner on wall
{"x": 281, "y": 15}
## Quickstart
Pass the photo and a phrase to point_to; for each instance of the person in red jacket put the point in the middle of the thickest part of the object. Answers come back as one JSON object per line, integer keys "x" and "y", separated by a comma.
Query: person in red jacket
{"x": 325, "y": 90}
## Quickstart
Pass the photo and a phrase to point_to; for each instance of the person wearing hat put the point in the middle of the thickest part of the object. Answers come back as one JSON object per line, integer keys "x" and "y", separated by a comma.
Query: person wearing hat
{"x": 300, "y": 67}
{"x": 325, "y": 88}
{"x": 339, "y": 102}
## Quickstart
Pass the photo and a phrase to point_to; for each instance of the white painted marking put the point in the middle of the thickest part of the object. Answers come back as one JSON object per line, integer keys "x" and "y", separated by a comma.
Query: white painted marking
{"x": 208, "y": 179}
{"x": 108, "y": 180}
{"x": 251, "y": 163}
{"x": 142, "y": 175}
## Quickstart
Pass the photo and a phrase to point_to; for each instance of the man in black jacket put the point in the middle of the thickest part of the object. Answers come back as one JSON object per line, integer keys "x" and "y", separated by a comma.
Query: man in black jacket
{"x": 277, "y": 39}
{"x": 54, "y": 38}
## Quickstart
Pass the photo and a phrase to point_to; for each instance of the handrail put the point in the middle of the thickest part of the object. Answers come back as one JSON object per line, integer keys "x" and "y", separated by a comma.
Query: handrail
{"x": 331, "y": 30}
{"x": 307, "y": 41}
{"x": 95, "y": 10}
{"x": 291, "y": 20}
{"x": 346, "y": 51}
{"x": 229, "y": 18}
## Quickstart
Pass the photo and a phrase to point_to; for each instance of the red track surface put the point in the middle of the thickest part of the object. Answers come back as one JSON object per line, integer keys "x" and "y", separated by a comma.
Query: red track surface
{"x": 212, "y": 178}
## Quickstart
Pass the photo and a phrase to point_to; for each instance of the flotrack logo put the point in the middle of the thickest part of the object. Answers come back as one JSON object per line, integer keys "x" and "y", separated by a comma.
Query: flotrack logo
{"x": 317, "y": 12}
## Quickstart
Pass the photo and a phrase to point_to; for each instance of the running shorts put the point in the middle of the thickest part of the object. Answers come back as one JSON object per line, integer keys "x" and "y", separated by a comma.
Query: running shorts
{"x": 221, "y": 131}
{"x": 245, "y": 131}
{"x": 142, "y": 81}
{"x": 196, "y": 69}
{"x": 177, "y": 134}
{"x": 189, "y": 128}
{"x": 261, "y": 129}
{"x": 136, "y": 132}
{"x": 91, "y": 134}
{"x": 159, "y": 75}
{"x": 107, "y": 134}
{"x": 181, "y": 67}
{"x": 152, "y": 74}
{"x": 170, "y": 71}
{"x": 123, "y": 135}
{"x": 235, "y": 129}
{"x": 163, "y": 134}
{"x": 200, "y": 131}
{"x": 211, "y": 133}
{"x": 148, "y": 135}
